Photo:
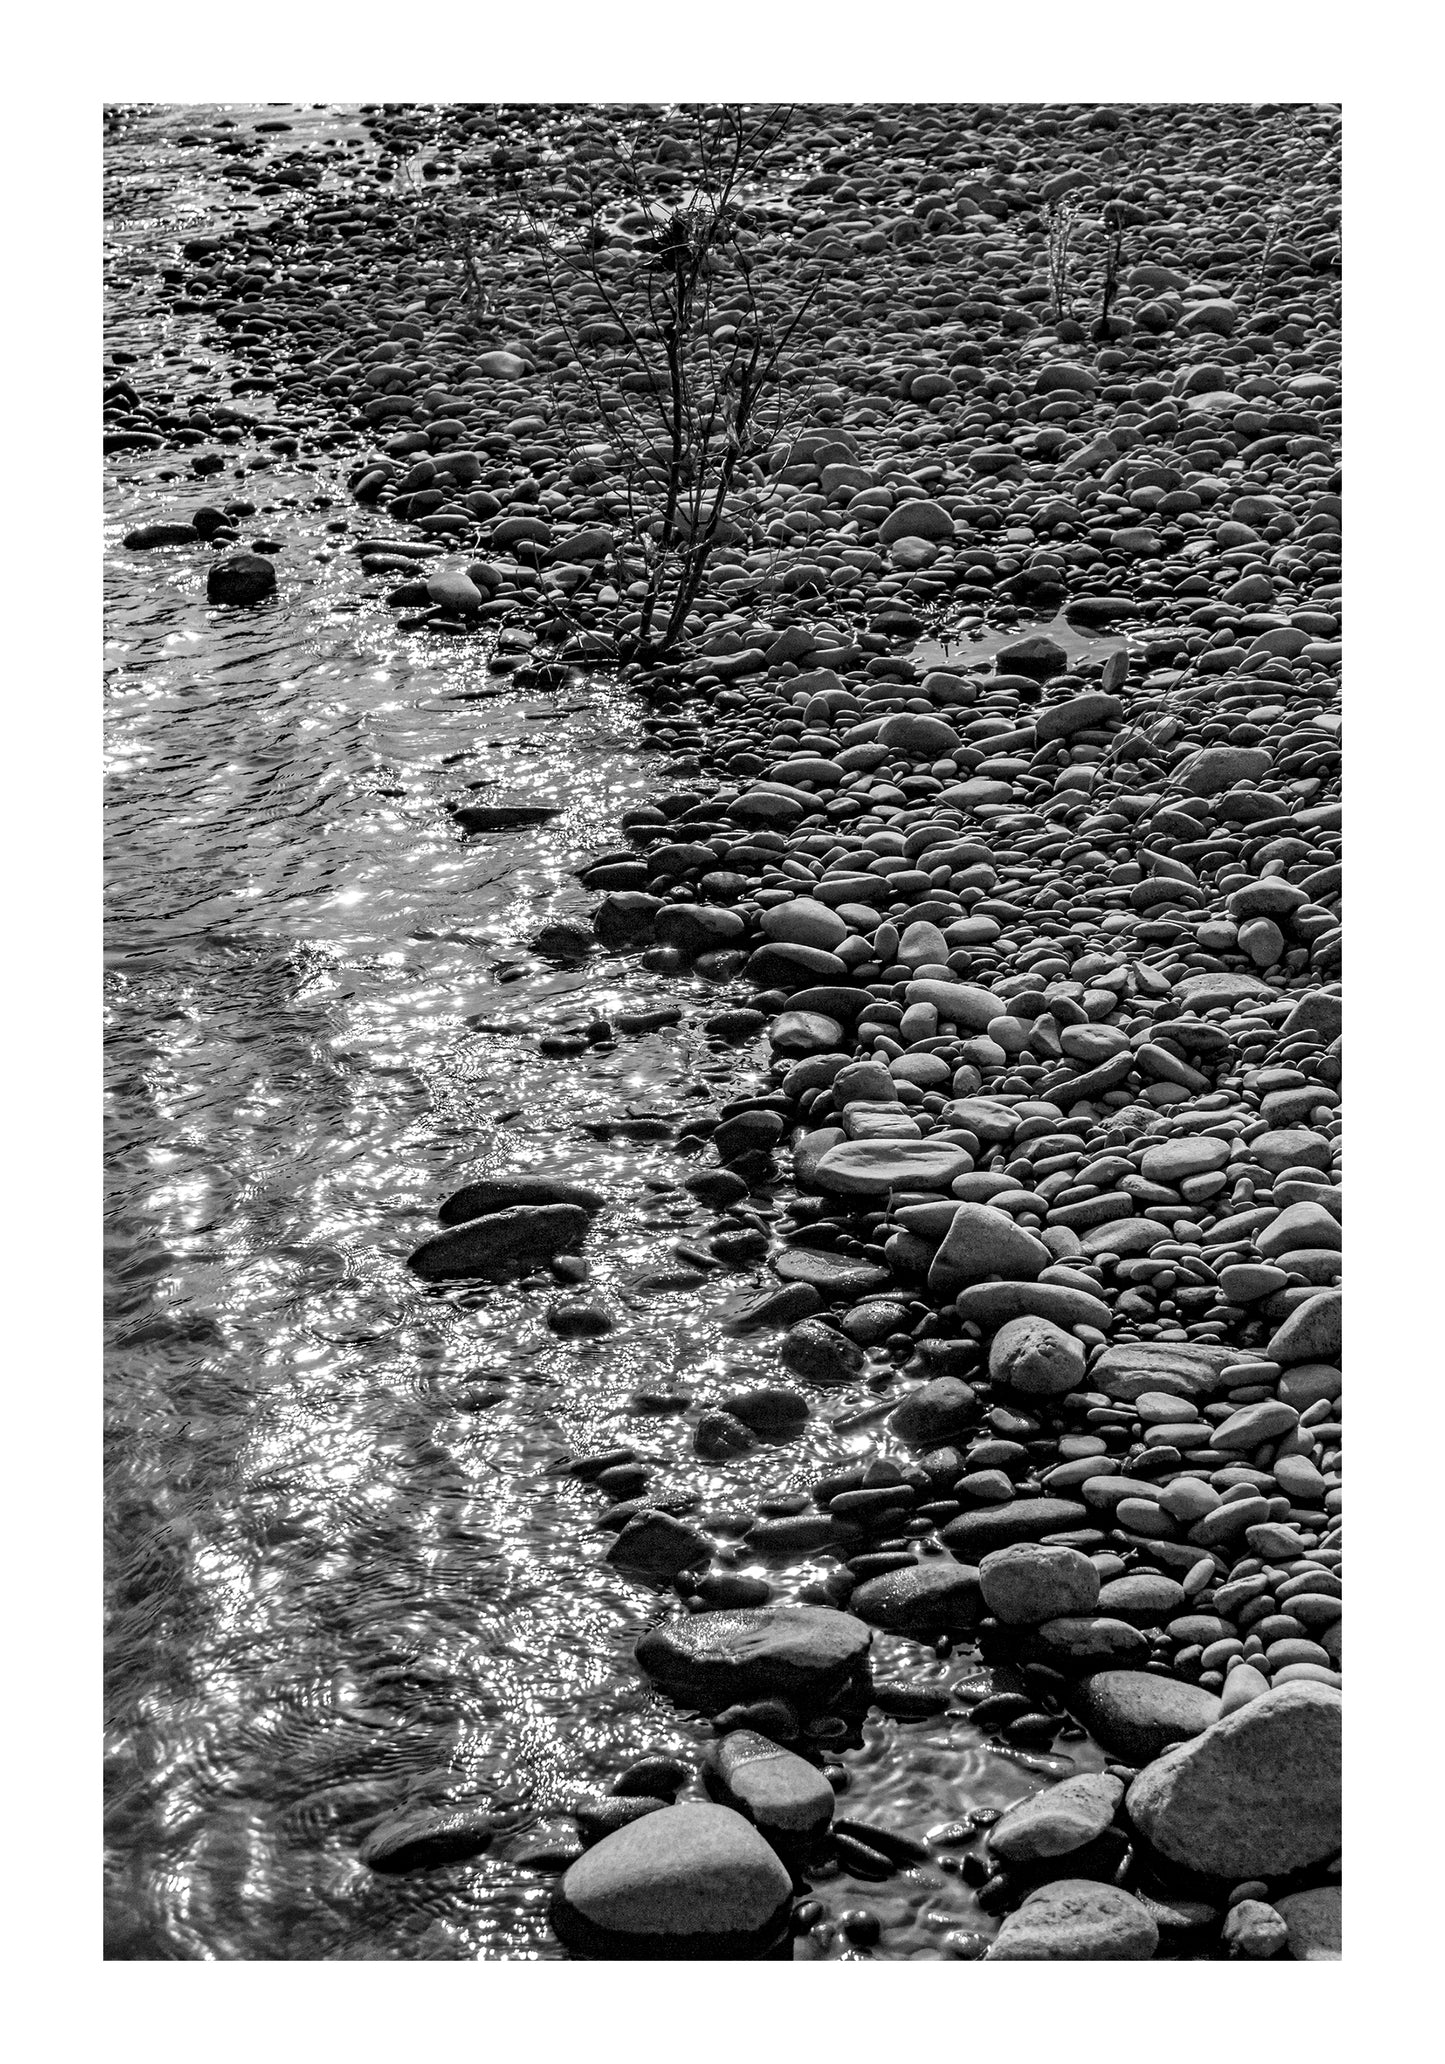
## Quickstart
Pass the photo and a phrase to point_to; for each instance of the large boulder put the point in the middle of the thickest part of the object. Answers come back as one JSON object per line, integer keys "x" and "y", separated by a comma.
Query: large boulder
{"x": 1256, "y": 1795}
{"x": 801, "y": 1652}
{"x": 1135, "y": 1717}
{"x": 693, "y": 1881}
{"x": 1076, "y": 1921}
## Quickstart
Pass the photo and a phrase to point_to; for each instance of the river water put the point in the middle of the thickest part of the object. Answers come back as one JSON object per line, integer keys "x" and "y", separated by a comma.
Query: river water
{"x": 340, "y": 1564}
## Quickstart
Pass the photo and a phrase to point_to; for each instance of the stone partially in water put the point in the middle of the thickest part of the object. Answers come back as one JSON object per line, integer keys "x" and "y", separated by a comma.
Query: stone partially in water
{"x": 505, "y": 1242}
{"x": 495, "y": 1193}
{"x": 1058, "y": 1821}
{"x": 802, "y": 1652}
{"x": 938, "y": 1596}
{"x": 692, "y": 1881}
{"x": 784, "y": 1797}
{"x": 240, "y": 578}
{"x": 424, "y": 1838}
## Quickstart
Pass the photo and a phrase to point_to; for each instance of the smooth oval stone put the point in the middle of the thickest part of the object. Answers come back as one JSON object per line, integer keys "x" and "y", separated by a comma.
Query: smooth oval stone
{"x": 1313, "y": 1332}
{"x": 993, "y": 1304}
{"x": 1135, "y": 1716}
{"x": 819, "y": 1354}
{"x": 975, "y": 1534}
{"x": 690, "y": 1881}
{"x": 871, "y": 1168}
{"x": 712, "y": 1660}
{"x": 1145, "y": 1599}
{"x": 804, "y": 1032}
{"x": 505, "y": 1242}
{"x": 939, "y": 1596}
{"x": 240, "y": 579}
{"x": 1189, "y": 1368}
{"x": 837, "y": 1275}
{"x": 499, "y": 1192}
{"x": 659, "y": 1547}
{"x": 935, "y": 1412}
{"x": 1058, "y": 1821}
{"x": 805, "y": 923}
{"x": 785, "y": 1798}
{"x": 958, "y": 1003}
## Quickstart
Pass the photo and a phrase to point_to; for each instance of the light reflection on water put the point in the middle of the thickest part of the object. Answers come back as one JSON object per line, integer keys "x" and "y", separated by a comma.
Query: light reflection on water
{"x": 330, "y": 1576}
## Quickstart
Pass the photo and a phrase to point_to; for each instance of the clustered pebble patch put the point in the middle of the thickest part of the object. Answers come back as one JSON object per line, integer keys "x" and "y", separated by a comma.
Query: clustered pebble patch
{"x": 1043, "y": 950}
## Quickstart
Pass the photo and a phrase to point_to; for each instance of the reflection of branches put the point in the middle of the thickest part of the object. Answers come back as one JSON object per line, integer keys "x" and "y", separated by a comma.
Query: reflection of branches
{"x": 677, "y": 345}
{"x": 1060, "y": 219}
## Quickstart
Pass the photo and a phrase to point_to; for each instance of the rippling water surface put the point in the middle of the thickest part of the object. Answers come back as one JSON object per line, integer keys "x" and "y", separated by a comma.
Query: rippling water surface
{"x": 339, "y": 1567}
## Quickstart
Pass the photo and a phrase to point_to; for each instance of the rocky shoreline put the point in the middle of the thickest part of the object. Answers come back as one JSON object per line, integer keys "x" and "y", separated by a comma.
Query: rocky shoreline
{"x": 1042, "y": 950}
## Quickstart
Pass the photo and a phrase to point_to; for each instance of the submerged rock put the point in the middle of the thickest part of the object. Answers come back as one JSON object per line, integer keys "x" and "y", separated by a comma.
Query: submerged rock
{"x": 505, "y": 1242}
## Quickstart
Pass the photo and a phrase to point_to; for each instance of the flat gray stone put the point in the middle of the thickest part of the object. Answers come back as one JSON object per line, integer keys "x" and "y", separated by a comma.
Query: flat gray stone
{"x": 1184, "y": 1367}
{"x": 871, "y": 1168}
{"x": 840, "y": 1275}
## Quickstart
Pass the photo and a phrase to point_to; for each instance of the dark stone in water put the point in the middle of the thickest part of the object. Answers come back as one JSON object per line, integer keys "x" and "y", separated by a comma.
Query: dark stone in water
{"x": 424, "y": 1838}
{"x": 495, "y": 1193}
{"x": 471, "y": 817}
{"x": 506, "y": 1242}
{"x": 242, "y": 578}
